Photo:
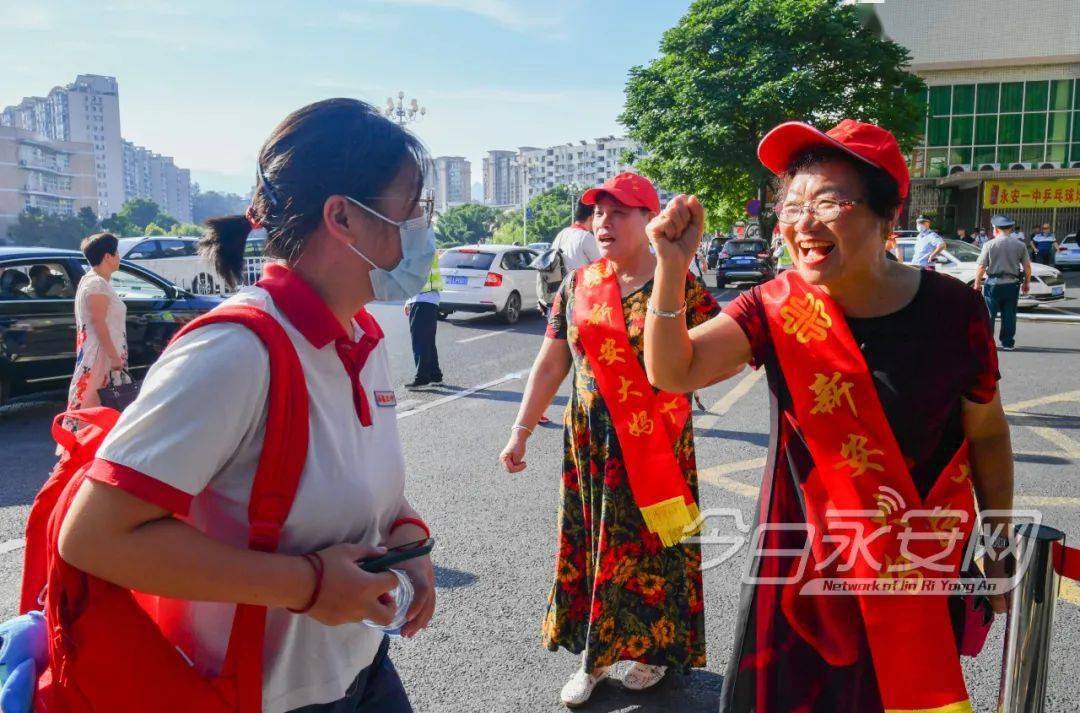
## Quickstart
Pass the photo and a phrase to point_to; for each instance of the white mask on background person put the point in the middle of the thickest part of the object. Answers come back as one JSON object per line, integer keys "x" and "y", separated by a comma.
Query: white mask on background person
{"x": 408, "y": 277}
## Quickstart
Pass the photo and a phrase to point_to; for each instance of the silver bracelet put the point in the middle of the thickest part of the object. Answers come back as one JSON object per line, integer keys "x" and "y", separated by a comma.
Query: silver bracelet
{"x": 521, "y": 427}
{"x": 664, "y": 313}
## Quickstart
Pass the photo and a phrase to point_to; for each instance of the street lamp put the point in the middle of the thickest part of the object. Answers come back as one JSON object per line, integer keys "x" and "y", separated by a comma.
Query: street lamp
{"x": 401, "y": 112}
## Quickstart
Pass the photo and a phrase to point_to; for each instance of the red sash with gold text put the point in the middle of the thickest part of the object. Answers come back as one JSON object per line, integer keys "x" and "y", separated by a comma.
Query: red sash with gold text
{"x": 861, "y": 483}
{"x": 648, "y": 423}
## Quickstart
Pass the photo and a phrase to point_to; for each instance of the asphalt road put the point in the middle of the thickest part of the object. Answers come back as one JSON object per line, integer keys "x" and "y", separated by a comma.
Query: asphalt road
{"x": 496, "y": 532}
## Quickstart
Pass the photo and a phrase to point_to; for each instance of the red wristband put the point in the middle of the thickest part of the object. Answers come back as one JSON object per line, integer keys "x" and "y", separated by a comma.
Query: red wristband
{"x": 313, "y": 559}
{"x": 410, "y": 521}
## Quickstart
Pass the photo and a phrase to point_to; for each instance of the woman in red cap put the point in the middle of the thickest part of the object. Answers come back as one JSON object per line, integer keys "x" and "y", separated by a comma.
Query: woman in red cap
{"x": 627, "y": 586}
{"x": 887, "y": 428}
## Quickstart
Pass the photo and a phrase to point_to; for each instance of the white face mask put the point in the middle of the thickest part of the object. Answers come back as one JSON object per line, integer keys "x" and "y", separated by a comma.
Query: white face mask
{"x": 408, "y": 277}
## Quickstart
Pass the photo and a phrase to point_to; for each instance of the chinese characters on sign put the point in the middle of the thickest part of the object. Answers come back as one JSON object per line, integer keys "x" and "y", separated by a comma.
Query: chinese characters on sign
{"x": 1064, "y": 193}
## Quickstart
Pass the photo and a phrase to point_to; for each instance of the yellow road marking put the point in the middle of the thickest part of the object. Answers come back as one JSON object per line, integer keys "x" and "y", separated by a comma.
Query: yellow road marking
{"x": 1069, "y": 591}
{"x": 1042, "y": 401}
{"x": 734, "y": 467}
{"x": 1070, "y": 446}
{"x": 721, "y": 407}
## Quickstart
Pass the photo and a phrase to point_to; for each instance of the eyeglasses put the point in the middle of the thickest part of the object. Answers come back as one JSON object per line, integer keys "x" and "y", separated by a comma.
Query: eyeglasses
{"x": 823, "y": 211}
{"x": 426, "y": 204}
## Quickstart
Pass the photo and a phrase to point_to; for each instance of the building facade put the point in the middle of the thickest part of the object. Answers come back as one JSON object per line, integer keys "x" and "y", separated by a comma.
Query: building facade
{"x": 582, "y": 164}
{"x": 500, "y": 178}
{"x": 1002, "y": 127}
{"x": 453, "y": 182}
{"x": 153, "y": 176}
{"x": 87, "y": 111}
{"x": 38, "y": 172}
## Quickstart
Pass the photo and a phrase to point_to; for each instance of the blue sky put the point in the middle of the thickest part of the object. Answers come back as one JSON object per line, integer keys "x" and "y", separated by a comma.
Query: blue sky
{"x": 205, "y": 82}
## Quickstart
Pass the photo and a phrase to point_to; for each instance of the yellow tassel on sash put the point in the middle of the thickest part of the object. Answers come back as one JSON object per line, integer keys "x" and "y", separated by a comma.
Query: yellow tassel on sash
{"x": 958, "y": 707}
{"x": 672, "y": 520}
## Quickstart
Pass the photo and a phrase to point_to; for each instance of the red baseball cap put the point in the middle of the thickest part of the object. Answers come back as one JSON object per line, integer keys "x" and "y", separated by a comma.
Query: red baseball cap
{"x": 868, "y": 142}
{"x": 629, "y": 189}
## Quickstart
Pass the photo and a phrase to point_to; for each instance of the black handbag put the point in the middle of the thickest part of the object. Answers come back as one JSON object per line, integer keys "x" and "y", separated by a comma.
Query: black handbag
{"x": 120, "y": 392}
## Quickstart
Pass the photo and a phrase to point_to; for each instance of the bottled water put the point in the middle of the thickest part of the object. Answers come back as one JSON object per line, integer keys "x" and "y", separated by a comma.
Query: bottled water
{"x": 403, "y": 596}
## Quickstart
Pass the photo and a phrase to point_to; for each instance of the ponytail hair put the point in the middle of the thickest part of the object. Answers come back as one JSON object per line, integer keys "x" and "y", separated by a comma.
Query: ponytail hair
{"x": 223, "y": 246}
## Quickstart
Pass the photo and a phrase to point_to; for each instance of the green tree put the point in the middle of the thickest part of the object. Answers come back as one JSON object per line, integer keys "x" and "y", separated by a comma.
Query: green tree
{"x": 466, "y": 224}
{"x": 139, "y": 212}
{"x": 89, "y": 220}
{"x": 730, "y": 70}
{"x": 153, "y": 229}
{"x": 186, "y": 229}
{"x": 38, "y": 228}
{"x": 210, "y": 204}
{"x": 510, "y": 230}
{"x": 118, "y": 226}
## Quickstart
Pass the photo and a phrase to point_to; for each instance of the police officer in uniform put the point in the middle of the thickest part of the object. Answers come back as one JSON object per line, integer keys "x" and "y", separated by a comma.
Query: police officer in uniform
{"x": 928, "y": 245}
{"x": 1045, "y": 244}
{"x": 423, "y": 313}
{"x": 1005, "y": 263}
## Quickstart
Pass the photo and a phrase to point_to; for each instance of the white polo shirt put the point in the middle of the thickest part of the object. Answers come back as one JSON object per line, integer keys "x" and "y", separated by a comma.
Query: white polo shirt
{"x": 191, "y": 442}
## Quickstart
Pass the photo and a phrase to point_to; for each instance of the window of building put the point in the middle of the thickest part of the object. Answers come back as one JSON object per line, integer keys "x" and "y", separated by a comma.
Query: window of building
{"x": 1034, "y": 128}
{"x": 1036, "y": 95}
{"x": 1012, "y": 96}
{"x": 1057, "y": 130}
{"x": 963, "y": 99}
{"x": 986, "y": 129}
{"x": 983, "y": 155}
{"x": 1057, "y": 152}
{"x": 987, "y": 98}
{"x": 940, "y": 101}
{"x": 1074, "y": 155}
{"x": 1033, "y": 153}
{"x": 961, "y": 131}
{"x": 1009, "y": 129}
{"x": 938, "y": 132}
{"x": 1008, "y": 154}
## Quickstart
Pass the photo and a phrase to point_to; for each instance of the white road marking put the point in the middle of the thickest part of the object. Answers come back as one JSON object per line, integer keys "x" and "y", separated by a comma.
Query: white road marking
{"x": 721, "y": 407}
{"x": 12, "y": 545}
{"x": 485, "y": 335}
{"x": 459, "y": 395}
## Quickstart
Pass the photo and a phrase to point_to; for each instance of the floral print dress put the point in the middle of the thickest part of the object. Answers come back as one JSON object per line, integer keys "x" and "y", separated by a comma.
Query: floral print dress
{"x": 619, "y": 595}
{"x": 91, "y": 361}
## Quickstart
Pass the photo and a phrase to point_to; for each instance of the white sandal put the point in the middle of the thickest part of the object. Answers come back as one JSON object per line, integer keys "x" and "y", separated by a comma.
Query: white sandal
{"x": 641, "y": 676}
{"x": 579, "y": 688}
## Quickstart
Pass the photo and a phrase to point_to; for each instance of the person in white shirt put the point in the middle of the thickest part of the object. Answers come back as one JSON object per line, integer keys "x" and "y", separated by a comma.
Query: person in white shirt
{"x": 164, "y": 508}
{"x": 577, "y": 242}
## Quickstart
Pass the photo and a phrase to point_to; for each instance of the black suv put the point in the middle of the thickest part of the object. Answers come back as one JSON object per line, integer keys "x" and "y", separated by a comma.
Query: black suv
{"x": 37, "y": 316}
{"x": 745, "y": 260}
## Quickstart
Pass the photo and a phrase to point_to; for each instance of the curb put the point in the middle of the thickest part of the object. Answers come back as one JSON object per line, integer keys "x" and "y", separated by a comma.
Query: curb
{"x": 1059, "y": 318}
{"x": 29, "y": 409}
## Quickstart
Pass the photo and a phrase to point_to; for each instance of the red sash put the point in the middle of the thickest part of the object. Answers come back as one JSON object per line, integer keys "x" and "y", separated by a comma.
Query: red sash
{"x": 860, "y": 470}
{"x": 647, "y": 422}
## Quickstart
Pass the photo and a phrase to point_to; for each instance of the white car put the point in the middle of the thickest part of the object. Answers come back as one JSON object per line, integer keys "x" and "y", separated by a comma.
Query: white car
{"x": 488, "y": 278}
{"x": 958, "y": 260}
{"x": 176, "y": 259}
{"x": 1068, "y": 252}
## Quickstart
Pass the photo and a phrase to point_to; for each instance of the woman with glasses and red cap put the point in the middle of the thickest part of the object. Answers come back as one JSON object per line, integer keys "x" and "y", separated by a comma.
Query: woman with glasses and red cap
{"x": 887, "y": 428}
{"x": 628, "y": 588}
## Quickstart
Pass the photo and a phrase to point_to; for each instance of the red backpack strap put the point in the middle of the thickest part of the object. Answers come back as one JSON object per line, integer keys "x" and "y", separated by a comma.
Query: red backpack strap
{"x": 277, "y": 478}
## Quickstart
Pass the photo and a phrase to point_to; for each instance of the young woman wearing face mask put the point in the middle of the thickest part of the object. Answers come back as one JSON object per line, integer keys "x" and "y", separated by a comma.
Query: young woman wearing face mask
{"x": 164, "y": 510}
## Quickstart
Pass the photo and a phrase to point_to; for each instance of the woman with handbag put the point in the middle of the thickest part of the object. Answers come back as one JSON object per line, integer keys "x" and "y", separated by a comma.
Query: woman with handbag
{"x": 887, "y": 429}
{"x": 100, "y": 326}
{"x": 167, "y": 508}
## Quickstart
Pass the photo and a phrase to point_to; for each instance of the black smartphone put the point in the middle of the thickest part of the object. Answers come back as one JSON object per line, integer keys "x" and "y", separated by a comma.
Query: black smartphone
{"x": 408, "y": 551}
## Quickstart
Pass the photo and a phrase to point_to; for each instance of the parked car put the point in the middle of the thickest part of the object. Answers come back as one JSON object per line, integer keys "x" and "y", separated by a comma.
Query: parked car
{"x": 1068, "y": 252}
{"x": 744, "y": 260}
{"x": 176, "y": 259}
{"x": 958, "y": 260}
{"x": 539, "y": 247}
{"x": 37, "y": 326}
{"x": 488, "y": 278}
